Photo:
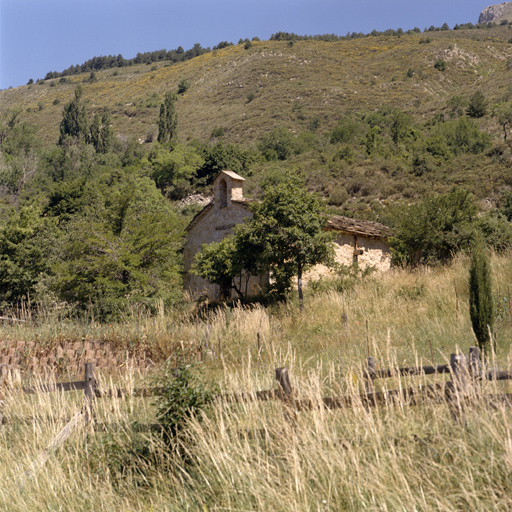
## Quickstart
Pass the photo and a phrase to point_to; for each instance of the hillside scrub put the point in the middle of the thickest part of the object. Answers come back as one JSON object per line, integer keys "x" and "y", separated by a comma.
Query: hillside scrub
{"x": 370, "y": 138}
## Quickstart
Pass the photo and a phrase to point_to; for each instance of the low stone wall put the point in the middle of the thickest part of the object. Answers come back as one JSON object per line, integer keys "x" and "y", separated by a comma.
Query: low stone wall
{"x": 36, "y": 357}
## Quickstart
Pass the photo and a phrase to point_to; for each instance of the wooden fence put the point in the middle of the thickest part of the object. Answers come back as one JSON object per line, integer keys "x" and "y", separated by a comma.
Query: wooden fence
{"x": 465, "y": 372}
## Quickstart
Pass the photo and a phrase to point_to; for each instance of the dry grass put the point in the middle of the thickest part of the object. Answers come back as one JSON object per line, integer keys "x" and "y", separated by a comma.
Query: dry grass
{"x": 291, "y": 84}
{"x": 248, "y": 456}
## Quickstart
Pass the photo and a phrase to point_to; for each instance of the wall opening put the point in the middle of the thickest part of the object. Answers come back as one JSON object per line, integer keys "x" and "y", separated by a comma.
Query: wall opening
{"x": 223, "y": 193}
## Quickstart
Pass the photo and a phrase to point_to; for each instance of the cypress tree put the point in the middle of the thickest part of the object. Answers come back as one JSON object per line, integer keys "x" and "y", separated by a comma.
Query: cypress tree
{"x": 481, "y": 303}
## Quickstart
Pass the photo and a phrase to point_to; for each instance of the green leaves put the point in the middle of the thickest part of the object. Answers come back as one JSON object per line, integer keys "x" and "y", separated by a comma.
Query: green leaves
{"x": 283, "y": 238}
{"x": 74, "y": 122}
{"x": 126, "y": 255}
{"x": 435, "y": 228}
{"x": 168, "y": 119}
{"x": 481, "y": 302}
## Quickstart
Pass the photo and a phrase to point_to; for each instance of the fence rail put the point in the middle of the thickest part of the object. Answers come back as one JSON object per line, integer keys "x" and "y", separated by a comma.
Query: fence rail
{"x": 465, "y": 372}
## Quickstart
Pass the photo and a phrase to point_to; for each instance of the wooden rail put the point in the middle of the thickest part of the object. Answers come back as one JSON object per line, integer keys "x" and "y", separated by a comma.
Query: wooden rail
{"x": 465, "y": 371}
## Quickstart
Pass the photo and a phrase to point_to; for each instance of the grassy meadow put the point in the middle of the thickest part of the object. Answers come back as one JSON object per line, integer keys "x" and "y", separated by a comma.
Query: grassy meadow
{"x": 247, "y": 456}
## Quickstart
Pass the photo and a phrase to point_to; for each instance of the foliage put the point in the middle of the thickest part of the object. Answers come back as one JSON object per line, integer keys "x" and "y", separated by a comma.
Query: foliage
{"x": 463, "y": 136}
{"x": 477, "y": 106}
{"x": 182, "y": 397}
{"x": 222, "y": 156}
{"x": 503, "y": 113}
{"x": 101, "y": 134}
{"x": 346, "y": 131}
{"x": 174, "y": 169}
{"x": 279, "y": 144}
{"x": 26, "y": 250}
{"x": 287, "y": 230}
{"x": 124, "y": 255}
{"x": 440, "y": 64}
{"x": 481, "y": 302}
{"x": 434, "y": 229}
{"x": 74, "y": 124}
{"x": 168, "y": 119}
{"x": 183, "y": 86}
{"x": 495, "y": 231}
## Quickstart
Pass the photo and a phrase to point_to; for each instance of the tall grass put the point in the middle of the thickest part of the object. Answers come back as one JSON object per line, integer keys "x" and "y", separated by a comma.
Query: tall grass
{"x": 249, "y": 456}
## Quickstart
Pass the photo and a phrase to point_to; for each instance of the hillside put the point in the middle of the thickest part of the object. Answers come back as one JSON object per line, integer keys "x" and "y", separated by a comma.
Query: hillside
{"x": 291, "y": 84}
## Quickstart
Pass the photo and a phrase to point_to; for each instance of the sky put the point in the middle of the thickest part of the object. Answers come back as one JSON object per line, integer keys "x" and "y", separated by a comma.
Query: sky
{"x": 38, "y": 36}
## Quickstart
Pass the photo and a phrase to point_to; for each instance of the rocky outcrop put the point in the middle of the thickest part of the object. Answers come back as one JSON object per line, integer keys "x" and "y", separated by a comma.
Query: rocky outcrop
{"x": 496, "y": 13}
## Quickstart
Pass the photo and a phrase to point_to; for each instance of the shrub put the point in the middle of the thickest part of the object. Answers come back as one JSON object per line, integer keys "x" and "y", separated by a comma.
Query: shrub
{"x": 495, "y": 230}
{"x": 434, "y": 229}
{"x": 477, "y": 105}
{"x": 463, "y": 136}
{"x": 182, "y": 397}
{"x": 346, "y": 131}
{"x": 183, "y": 86}
{"x": 250, "y": 97}
{"x": 279, "y": 144}
{"x": 440, "y": 64}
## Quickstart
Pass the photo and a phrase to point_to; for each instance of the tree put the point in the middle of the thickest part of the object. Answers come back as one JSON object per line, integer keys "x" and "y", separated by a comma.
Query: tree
{"x": 433, "y": 229}
{"x": 221, "y": 263}
{"x": 26, "y": 243}
{"x": 503, "y": 112}
{"x": 481, "y": 303}
{"x": 101, "y": 135}
{"x": 284, "y": 237}
{"x": 125, "y": 255}
{"x": 477, "y": 106}
{"x": 288, "y": 228}
{"x": 168, "y": 120}
{"x": 74, "y": 122}
{"x": 173, "y": 170}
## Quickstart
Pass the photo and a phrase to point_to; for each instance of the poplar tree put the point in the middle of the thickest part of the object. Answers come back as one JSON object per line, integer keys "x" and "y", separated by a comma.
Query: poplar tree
{"x": 168, "y": 119}
{"x": 74, "y": 119}
{"x": 481, "y": 303}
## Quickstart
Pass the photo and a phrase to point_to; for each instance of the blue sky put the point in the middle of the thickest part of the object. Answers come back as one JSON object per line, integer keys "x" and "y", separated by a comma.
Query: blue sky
{"x": 37, "y": 36}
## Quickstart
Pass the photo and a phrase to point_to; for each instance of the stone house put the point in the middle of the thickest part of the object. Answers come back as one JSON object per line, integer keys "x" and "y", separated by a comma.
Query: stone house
{"x": 355, "y": 241}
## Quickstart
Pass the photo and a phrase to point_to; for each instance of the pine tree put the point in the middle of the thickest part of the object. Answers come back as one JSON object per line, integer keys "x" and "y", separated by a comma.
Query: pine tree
{"x": 168, "y": 120}
{"x": 481, "y": 303}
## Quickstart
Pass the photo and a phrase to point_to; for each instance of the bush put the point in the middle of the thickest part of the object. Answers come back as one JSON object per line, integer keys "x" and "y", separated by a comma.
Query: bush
{"x": 440, "y": 64}
{"x": 463, "y": 136}
{"x": 183, "y": 86}
{"x": 279, "y": 144}
{"x": 477, "y": 105}
{"x": 182, "y": 397}
{"x": 434, "y": 229}
{"x": 496, "y": 231}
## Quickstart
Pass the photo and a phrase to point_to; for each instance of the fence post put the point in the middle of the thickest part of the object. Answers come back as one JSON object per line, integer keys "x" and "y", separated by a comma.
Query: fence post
{"x": 90, "y": 391}
{"x": 283, "y": 378}
{"x": 475, "y": 366}
{"x": 369, "y": 375}
{"x": 459, "y": 366}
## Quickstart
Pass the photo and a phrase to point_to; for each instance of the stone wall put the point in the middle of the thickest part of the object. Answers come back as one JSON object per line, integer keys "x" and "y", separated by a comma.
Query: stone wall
{"x": 373, "y": 253}
{"x": 214, "y": 224}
